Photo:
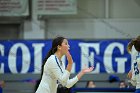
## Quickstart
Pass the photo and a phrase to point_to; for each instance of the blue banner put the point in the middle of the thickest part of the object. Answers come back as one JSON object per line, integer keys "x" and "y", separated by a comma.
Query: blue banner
{"x": 26, "y": 56}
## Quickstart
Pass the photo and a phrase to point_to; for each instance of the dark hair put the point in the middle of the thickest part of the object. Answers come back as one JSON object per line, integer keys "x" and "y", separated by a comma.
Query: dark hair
{"x": 136, "y": 43}
{"x": 122, "y": 81}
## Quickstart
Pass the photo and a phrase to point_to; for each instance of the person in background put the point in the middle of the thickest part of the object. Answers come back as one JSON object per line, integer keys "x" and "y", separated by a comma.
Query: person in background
{"x": 90, "y": 84}
{"x": 122, "y": 84}
{"x": 134, "y": 73}
{"x": 2, "y": 85}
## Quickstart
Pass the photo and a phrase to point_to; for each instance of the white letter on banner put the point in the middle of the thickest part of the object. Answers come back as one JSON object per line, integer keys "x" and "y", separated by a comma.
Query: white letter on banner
{"x": 2, "y": 54}
{"x": 37, "y": 57}
{"x": 121, "y": 64}
{"x": 25, "y": 56}
{"x": 86, "y": 57}
{"x": 108, "y": 57}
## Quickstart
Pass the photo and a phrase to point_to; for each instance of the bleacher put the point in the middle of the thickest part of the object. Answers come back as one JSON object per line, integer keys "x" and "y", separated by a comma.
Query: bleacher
{"x": 25, "y": 83}
{"x": 101, "y": 80}
{"x": 19, "y": 83}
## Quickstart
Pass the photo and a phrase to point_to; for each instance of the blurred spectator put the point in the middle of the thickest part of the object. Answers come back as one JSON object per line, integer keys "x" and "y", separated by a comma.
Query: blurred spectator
{"x": 122, "y": 84}
{"x": 2, "y": 85}
{"x": 90, "y": 84}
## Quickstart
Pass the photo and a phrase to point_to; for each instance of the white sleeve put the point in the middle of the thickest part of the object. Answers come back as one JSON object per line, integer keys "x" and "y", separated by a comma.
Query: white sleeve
{"x": 56, "y": 71}
{"x": 133, "y": 82}
{"x": 71, "y": 82}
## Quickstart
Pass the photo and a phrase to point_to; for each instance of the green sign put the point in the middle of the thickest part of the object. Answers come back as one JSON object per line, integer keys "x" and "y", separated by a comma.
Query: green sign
{"x": 14, "y": 8}
{"x": 55, "y": 7}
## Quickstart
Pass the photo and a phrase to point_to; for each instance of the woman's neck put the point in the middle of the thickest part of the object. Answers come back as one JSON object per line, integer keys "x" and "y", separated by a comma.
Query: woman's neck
{"x": 59, "y": 55}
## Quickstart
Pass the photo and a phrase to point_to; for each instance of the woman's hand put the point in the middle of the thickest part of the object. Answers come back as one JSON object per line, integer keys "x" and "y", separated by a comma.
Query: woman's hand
{"x": 87, "y": 70}
{"x": 69, "y": 58}
{"x": 84, "y": 71}
{"x": 70, "y": 61}
{"x": 129, "y": 74}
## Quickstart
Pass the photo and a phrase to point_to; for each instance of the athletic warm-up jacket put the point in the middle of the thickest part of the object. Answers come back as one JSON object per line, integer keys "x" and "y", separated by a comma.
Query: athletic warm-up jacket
{"x": 54, "y": 73}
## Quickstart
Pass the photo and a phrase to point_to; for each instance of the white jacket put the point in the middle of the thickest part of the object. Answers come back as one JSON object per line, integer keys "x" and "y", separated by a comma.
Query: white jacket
{"x": 53, "y": 73}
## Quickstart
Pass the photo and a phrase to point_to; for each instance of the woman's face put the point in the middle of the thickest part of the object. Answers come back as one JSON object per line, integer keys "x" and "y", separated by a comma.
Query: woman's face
{"x": 122, "y": 85}
{"x": 64, "y": 46}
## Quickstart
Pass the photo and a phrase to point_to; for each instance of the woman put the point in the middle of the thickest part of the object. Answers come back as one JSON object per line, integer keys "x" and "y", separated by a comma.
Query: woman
{"x": 134, "y": 74}
{"x": 54, "y": 71}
